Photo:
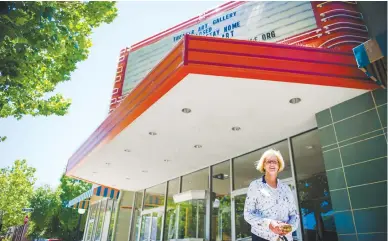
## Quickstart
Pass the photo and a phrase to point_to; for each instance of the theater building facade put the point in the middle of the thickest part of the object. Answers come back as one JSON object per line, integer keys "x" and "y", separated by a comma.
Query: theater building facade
{"x": 195, "y": 106}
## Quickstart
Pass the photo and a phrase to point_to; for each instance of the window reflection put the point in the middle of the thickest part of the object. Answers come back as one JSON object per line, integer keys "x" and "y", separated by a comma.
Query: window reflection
{"x": 243, "y": 229}
{"x": 154, "y": 196}
{"x": 137, "y": 216}
{"x": 152, "y": 214}
{"x": 173, "y": 188}
{"x": 244, "y": 166}
{"x": 190, "y": 207}
{"x": 198, "y": 180}
{"x": 221, "y": 214}
{"x": 100, "y": 219}
{"x": 244, "y": 173}
{"x": 90, "y": 224}
{"x": 313, "y": 190}
{"x": 111, "y": 210}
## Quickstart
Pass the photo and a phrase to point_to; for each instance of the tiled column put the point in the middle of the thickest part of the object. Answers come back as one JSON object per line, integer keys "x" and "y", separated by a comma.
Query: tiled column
{"x": 353, "y": 136}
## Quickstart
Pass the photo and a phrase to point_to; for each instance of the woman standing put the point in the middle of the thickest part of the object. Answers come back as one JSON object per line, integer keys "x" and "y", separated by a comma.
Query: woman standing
{"x": 269, "y": 207}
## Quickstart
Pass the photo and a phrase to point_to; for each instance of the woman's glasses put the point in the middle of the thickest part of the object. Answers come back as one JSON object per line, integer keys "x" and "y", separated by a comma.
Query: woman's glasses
{"x": 271, "y": 162}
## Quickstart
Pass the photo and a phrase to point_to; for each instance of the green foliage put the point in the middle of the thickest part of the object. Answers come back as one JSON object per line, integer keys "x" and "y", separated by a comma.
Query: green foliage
{"x": 16, "y": 185}
{"x": 46, "y": 203}
{"x": 51, "y": 218}
{"x": 40, "y": 45}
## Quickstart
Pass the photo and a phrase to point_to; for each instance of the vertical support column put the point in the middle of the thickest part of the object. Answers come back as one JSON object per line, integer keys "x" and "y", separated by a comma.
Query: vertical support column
{"x": 209, "y": 206}
{"x": 131, "y": 222}
{"x": 232, "y": 204}
{"x": 164, "y": 212}
{"x": 291, "y": 154}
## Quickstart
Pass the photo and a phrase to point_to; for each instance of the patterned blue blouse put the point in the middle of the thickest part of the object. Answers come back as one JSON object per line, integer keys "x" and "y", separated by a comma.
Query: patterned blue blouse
{"x": 265, "y": 204}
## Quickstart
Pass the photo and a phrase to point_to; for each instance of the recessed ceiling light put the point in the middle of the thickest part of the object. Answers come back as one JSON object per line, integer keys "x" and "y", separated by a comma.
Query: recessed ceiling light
{"x": 295, "y": 100}
{"x": 236, "y": 128}
{"x": 127, "y": 150}
{"x": 186, "y": 110}
{"x": 198, "y": 146}
{"x": 151, "y": 133}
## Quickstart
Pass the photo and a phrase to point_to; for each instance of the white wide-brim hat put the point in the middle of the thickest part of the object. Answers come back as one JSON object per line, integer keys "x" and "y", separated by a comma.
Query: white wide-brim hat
{"x": 266, "y": 154}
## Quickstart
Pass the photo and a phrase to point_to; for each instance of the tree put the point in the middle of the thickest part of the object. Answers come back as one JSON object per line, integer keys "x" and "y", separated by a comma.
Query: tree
{"x": 46, "y": 203}
{"x": 70, "y": 188}
{"x": 40, "y": 45}
{"x": 51, "y": 218}
{"x": 16, "y": 185}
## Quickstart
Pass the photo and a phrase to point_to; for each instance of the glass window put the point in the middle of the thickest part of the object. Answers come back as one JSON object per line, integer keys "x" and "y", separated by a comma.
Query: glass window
{"x": 154, "y": 196}
{"x": 137, "y": 216}
{"x": 95, "y": 220}
{"x": 244, "y": 166}
{"x": 198, "y": 180}
{"x": 169, "y": 228}
{"x": 89, "y": 229}
{"x": 221, "y": 214}
{"x": 112, "y": 212}
{"x": 190, "y": 221}
{"x": 313, "y": 189}
{"x": 100, "y": 220}
{"x": 152, "y": 214}
{"x": 106, "y": 219}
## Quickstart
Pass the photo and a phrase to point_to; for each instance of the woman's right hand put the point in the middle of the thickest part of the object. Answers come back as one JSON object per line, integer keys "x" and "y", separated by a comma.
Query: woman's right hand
{"x": 276, "y": 227}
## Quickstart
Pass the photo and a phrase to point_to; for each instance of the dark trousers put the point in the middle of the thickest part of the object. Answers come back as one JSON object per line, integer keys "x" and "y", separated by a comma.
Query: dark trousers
{"x": 257, "y": 238}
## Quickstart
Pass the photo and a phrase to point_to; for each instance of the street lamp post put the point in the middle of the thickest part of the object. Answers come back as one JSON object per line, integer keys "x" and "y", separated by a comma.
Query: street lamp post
{"x": 80, "y": 212}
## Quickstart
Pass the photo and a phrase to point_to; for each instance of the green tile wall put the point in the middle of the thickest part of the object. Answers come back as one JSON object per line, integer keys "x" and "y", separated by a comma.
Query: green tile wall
{"x": 350, "y": 237}
{"x": 353, "y": 135}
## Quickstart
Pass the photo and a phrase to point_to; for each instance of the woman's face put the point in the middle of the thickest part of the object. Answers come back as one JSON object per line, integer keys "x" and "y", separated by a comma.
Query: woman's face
{"x": 271, "y": 165}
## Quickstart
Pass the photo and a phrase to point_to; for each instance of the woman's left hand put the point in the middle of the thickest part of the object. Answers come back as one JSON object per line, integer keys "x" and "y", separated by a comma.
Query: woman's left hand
{"x": 285, "y": 228}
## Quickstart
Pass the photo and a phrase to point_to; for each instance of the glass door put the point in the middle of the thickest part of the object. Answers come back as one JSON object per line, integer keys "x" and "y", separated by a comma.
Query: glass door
{"x": 151, "y": 224}
{"x": 241, "y": 230}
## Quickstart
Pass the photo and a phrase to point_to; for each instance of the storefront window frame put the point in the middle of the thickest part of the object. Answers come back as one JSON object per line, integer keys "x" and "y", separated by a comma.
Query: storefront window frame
{"x": 87, "y": 223}
{"x": 209, "y": 205}
{"x": 211, "y": 172}
{"x": 295, "y": 179}
{"x": 132, "y": 221}
{"x": 104, "y": 202}
{"x": 98, "y": 204}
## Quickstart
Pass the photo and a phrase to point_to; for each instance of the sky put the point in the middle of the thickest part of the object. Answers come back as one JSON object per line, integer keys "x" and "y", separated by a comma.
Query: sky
{"x": 48, "y": 142}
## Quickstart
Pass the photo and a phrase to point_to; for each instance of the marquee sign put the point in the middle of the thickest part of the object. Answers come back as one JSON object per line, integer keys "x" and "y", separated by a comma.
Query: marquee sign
{"x": 335, "y": 25}
{"x": 257, "y": 21}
